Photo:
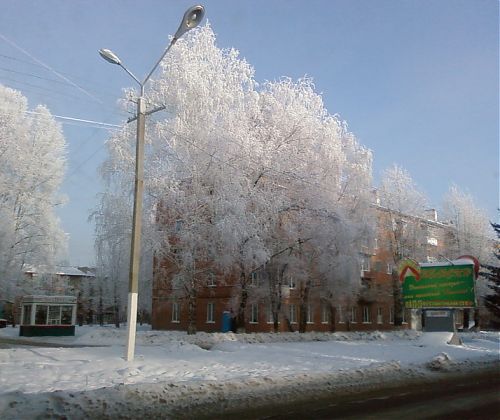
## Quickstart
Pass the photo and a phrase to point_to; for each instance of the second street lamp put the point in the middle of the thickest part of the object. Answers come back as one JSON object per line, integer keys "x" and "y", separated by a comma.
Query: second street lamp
{"x": 192, "y": 17}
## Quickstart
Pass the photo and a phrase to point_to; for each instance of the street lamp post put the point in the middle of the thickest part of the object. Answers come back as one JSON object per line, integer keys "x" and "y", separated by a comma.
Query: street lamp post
{"x": 192, "y": 17}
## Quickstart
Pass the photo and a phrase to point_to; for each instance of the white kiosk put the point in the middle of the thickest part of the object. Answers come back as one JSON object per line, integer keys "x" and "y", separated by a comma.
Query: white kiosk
{"x": 47, "y": 315}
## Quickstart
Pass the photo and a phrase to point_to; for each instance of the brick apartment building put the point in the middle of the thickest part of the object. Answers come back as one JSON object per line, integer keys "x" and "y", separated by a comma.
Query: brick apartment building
{"x": 371, "y": 309}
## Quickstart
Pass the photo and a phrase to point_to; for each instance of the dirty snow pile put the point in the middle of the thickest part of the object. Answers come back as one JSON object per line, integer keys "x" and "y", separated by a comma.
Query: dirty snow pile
{"x": 174, "y": 373}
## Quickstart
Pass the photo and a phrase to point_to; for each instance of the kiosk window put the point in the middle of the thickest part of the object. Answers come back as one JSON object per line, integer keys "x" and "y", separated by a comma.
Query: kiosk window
{"x": 54, "y": 315}
{"x": 41, "y": 314}
{"x": 27, "y": 314}
{"x": 66, "y": 312}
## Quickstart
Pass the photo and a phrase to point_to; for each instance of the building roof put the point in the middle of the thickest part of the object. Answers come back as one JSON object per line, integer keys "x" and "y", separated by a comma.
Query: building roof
{"x": 61, "y": 271}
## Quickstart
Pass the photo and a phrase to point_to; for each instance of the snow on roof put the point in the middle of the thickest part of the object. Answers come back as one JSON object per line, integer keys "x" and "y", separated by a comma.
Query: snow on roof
{"x": 48, "y": 299}
{"x": 70, "y": 271}
{"x": 60, "y": 270}
{"x": 448, "y": 263}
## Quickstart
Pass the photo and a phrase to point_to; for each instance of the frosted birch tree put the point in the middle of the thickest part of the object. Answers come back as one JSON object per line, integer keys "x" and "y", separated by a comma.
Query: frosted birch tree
{"x": 403, "y": 204}
{"x": 472, "y": 229}
{"x": 230, "y": 161}
{"x": 471, "y": 235}
{"x": 32, "y": 164}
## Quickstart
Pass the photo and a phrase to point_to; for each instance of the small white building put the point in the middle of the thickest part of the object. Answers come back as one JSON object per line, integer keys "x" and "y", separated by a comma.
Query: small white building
{"x": 47, "y": 315}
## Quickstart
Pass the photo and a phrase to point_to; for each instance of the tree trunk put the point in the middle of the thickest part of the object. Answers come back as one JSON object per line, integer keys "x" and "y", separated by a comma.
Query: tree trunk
{"x": 191, "y": 329}
{"x": 240, "y": 317}
{"x": 276, "y": 323}
{"x": 303, "y": 308}
{"x": 101, "y": 311}
{"x": 333, "y": 314}
{"x": 398, "y": 301}
{"x": 466, "y": 319}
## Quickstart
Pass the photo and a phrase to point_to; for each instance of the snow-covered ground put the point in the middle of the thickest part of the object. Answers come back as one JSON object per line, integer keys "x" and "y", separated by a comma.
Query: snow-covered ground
{"x": 173, "y": 371}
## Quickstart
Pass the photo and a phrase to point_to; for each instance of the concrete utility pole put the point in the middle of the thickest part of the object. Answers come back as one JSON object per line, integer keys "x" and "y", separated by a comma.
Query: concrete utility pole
{"x": 192, "y": 17}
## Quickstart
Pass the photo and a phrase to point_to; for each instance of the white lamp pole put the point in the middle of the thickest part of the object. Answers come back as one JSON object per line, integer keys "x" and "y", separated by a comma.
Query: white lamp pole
{"x": 192, "y": 17}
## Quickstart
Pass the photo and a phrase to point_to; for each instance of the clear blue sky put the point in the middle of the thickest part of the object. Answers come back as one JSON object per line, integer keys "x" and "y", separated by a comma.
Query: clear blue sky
{"x": 417, "y": 81}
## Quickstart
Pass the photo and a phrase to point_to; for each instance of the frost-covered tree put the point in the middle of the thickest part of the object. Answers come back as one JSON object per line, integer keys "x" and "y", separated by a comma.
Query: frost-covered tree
{"x": 470, "y": 235}
{"x": 403, "y": 205}
{"x": 235, "y": 172}
{"x": 492, "y": 299}
{"x": 471, "y": 227}
{"x": 32, "y": 164}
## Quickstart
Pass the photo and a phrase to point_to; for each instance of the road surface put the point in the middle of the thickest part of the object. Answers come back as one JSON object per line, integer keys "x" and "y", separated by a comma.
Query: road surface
{"x": 476, "y": 396}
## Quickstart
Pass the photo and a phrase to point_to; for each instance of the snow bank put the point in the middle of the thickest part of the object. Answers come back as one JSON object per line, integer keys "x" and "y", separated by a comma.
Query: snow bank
{"x": 175, "y": 373}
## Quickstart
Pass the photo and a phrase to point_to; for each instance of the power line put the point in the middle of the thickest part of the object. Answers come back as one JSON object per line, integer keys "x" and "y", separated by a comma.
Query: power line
{"x": 12, "y": 43}
{"x": 99, "y": 123}
{"x": 37, "y": 76}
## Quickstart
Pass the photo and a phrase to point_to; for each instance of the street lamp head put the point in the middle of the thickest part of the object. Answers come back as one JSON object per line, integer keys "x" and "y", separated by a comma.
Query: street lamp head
{"x": 190, "y": 20}
{"x": 110, "y": 56}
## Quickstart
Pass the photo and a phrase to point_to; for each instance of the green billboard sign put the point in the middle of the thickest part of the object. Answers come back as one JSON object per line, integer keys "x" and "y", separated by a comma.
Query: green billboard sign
{"x": 439, "y": 285}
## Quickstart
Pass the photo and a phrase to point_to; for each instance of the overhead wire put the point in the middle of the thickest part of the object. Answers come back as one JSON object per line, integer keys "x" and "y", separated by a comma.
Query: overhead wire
{"x": 46, "y": 66}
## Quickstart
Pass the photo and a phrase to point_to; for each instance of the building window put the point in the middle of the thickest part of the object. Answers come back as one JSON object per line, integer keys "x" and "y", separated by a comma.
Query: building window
{"x": 254, "y": 316}
{"x": 340, "y": 315}
{"x": 352, "y": 315}
{"x": 175, "y": 312}
{"x": 366, "y": 315}
{"x": 309, "y": 319}
{"x": 389, "y": 268}
{"x": 54, "y": 315}
{"x": 254, "y": 279}
{"x": 41, "y": 314}
{"x": 365, "y": 264}
{"x": 375, "y": 245}
{"x": 27, "y": 314}
{"x": 293, "y": 313}
{"x": 391, "y": 315}
{"x": 291, "y": 282}
{"x": 177, "y": 281}
{"x": 210, "y": 313}
{"x": 211, "y": 280}
{"x": 379, "y": 316}
{"x": 325, "y": 314}
{"x": 176, "y": 254}
{"x": 270, "y": 318}
{"x": 178, "y": 225}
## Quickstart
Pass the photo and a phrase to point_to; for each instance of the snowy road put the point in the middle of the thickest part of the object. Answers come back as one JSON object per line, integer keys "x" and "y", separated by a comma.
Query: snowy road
{"x": 472, "y": 396}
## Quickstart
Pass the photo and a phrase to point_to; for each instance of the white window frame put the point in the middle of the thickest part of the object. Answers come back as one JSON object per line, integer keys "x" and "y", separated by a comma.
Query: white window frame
{"x": 179, "y": 223}
{"x": 254, "y": 278}
{"x": 388, "y": 268}
{"x": 176, "y": 252}
{"x": 353, "y": 315}
{"x": 210, "y": 313}
{"x": 291, "y": 282}
{"x": 211, "y": 281}
{"x": 380, "y": 318}
{"x": 367, "y": 316}
{"x": 340, "y": 317}
{"x": 270, "y": 319}
{"x": 176, "y": 318}
{"x": 365, "y": 264}
{"x": 325, "y": 313}
{"x": 309, "y": 314}
{"x": 177, "y": 281}
{"x": 254, "y": 313}
{"x": 292, "y": 313}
